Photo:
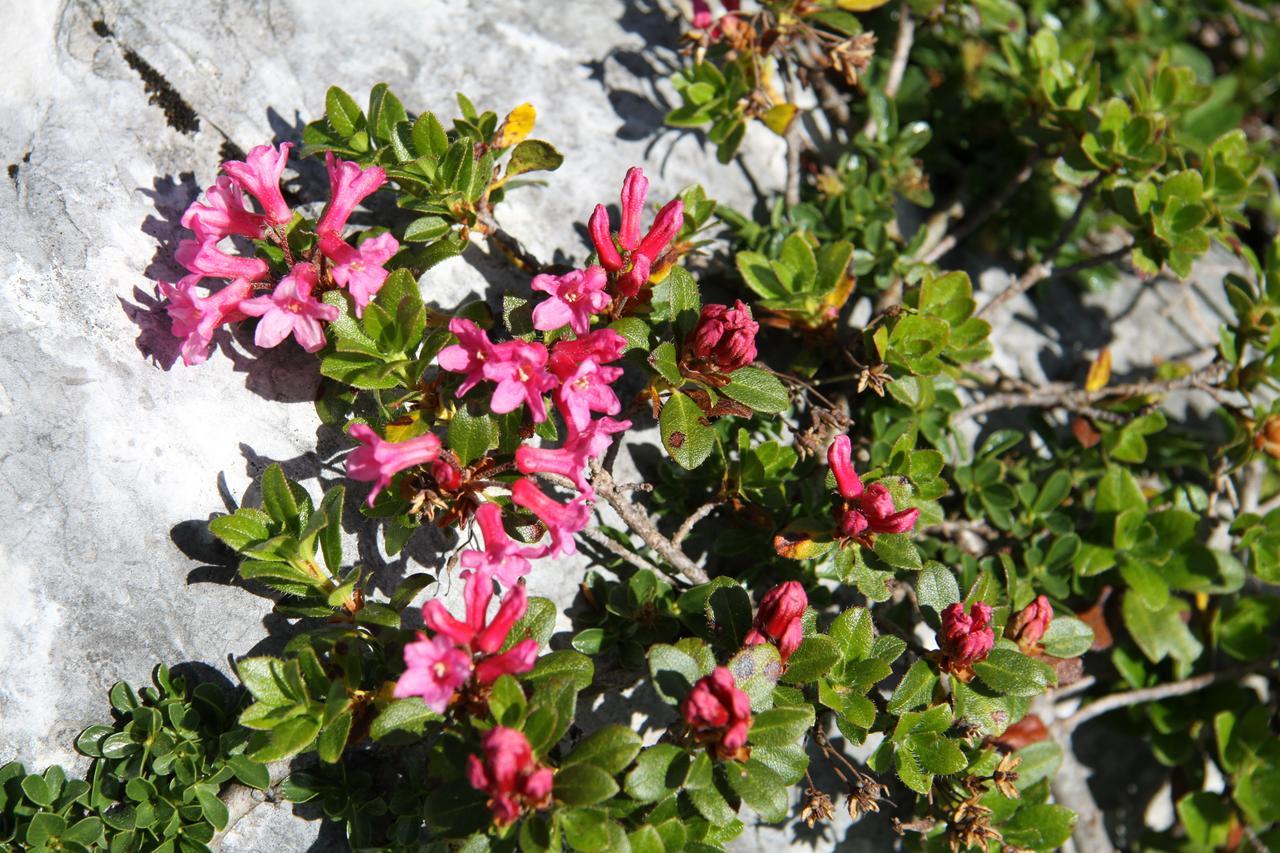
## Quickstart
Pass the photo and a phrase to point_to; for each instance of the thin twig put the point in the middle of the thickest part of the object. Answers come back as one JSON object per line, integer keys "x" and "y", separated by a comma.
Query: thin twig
{"x": 1073, "y": 688}
{"x": 1045, "y": 271}
{"x": 1072, "y": 397}
{"x": 640, "y": 523}
{"x": 1154, "y": 694}
{"x": 898, "y": 65}
{"x": 792, "y": 190}
{"x": 687, "y": 526}
{"x": 610, "y": 544}
{"x": 976, "y": 221}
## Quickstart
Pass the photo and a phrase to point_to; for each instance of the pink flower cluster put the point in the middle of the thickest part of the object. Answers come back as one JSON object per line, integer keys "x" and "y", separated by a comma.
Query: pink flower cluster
{"x": 576, "y": 374}
{"x": 862, "y": 511}
{"x": 1029, "y": 625}
{"x": 724, "y": 339}
{"x": 703, "y": 19}
{"x": 509, "y": 775}
{"x": 778, "y": 620}
{"x": 631, "y": 267}
{"x": 966, "y": 638}
{"x": 718, "y": 713}
{"x": 291, "y": 306}
{"x": 466, "y": 649}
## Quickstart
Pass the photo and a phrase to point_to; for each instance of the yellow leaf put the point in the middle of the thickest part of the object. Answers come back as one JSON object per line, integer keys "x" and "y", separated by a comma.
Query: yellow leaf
{"x": 516, "y": 126}
{"x": 1099, "y": 371}
{"x": 860, "y": 5}
{"x": 406, "y": 427}
{"x": 779, "y": 118}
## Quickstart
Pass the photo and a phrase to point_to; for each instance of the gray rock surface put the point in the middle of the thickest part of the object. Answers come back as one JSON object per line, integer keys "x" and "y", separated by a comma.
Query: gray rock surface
{"x": 114, "y": 457}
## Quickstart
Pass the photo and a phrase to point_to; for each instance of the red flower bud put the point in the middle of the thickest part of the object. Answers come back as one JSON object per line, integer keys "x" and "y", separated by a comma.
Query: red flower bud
{"x": 447, "y": 475}
{"x": 778, "y": 620}
{"x": 598, "y": 225}
{"x": 724, "y": 339}
{"x": 1030, "y": 624}
{"x": 719, "y": 713}
{"x": 509, "y": 775}
{"x": 863, "y": 509}
{"x": 966, "y": 638}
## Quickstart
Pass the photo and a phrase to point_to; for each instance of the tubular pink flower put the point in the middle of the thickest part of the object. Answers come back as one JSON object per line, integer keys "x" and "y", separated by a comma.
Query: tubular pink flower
{"x": 778, "y": 620}
{"x": 631, "y": 281}
{"x": 598, "y": 226}
{"x": 588, "y": 390}
{"x": 360, "y": 270}
{"x": 196, "y": 317}
{"x": 348, "y": 186}
{"x": 966, "y": 639}
{"x": 666, "y": 225}
{"x": 222, "y": 214}
{"x": 502, "y": 556}
{"x": 469, "y": 355}
{"x": 259, "y": 175}
{"x": 561, "y": 520}
{"x": 724, "y": 339}
{"x": 291, "y": 309}
{"x": 719, "y": 713}
{"x": 570, "y": 460}
{"x": 434, "y": 670}
{"x": 519, "y": 658}
{"x": 601, "y": 346}
{"x": 519, "y": 369}
{"x": 701, "y": 15}
{"x": 840, "y": 458}
{"x": 574, "y": 297}
{"x": 378, "y": 460}
{"x": 480, "y": 636}
{"x": 206, "y": 259}
{"x": 863, "y": 510}
{"x": 509, "y": 775}
{"x": 635, "y": 188}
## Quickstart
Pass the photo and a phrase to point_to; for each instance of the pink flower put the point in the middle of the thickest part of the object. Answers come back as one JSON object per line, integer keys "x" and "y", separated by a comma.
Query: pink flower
{"x": 571, "y": 459}
{"x": 259, "y": 176}
{"x": 348, "y": 186}
{"x": 724, "y": 339}
{"x": 222, "y": 214}
{"x": 448, "y": 476}
{"x": 632, "y": 270}
{"x": 1031, "y": 622}
{"x": 434, "y": 670}
{"x": 561, "y": 520}
{"x": 519, "y": 368}
{"x": 291, "y": 309}
{"x": 196, "y": 317}
{"x": 588, "y": 390}
{"x": 719, "y": 713}
{"x": 778, "y": 620}
{"x": 861, "y": 511}
{"x": 378, "y": 460}
{"x": 574, "y": 297}
{"x": 502, "y": 556}
{"x": 509, "y": 775}
{"x": 484, "y": 637}
{"x": 601, "y": 346}
{"x": 469, "y": 355}
{"x": 206, "y": 259}
{"x": 360, "y": 270}
{"x": 703, "y": 19}
{"x": 966, "y": 639}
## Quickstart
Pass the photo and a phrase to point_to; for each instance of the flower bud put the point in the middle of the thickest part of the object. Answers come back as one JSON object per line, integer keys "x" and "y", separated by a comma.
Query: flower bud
{"x": 1030, "y": 624}
{"x": 966, "y": 638}
{"x": 598, "y": 226}
{"x": 448, "y": 476}
{"x": 509, "y": 775}
{"x": 635, "y": 187}
{"x": 719, "y": 713}
{"x": 724, "y": 339}
{"x": 778, "y": 620}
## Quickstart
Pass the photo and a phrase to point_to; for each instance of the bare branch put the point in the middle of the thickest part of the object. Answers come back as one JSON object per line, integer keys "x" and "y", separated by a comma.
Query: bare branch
{"x": 974, "y": 222}
{"x": 698, "y": 514}
{"x": 614, "y": 546}
{"x": 898, "y": 65}
{"x": 640, "y": 523}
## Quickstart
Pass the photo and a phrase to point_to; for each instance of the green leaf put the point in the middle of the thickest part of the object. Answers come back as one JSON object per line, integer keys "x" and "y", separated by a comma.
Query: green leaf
{"x": 44, "y": 826}
{"x": 854, "y": 631}
{"x": 1207, "y": 819}
{"x": 936, "y": 587}
{"x": 213, "y": 809}
{"x": 684, "y": 434}
{"x": 286, "y": 739}
{"x": 1052, "y": 493}
{"x": 814, "y": 659}
{"x": 333, "y": 738}
{"x": 663, "y": 359}
{"x": 37, "y": 791}
{"x": 344, "y": 115}
{"x": 781, "y": 726}
{"x": 674, "y": 672}
{"x": 250, "y": 773}
{"x": 1014, "y": 674}
{"x": 760, "y": 788}
{"x": 755, "y": 670}
{"x": 470, "y": 436}
{"x": 402, "y": 717}
{"x": 277, "y": 497}
{"x": 610, "y": 748}
{"x": 245, "y": 527}
{"x": 1160, "y": 632}
{"x": 635, "y": 330}
{"x": 936, "y": 753}
{"x": 660, "y": 770}
{"x": 760, "y": 390}
{"x": 915, "y": 688}
{"x": 533, "y": 155}
{"x": 565, "y": 665}
{"x": 1067, "y": 637}
{"x": 1039, "y": 761}
{"x": 259, "y": 675}
{"x": 728, "y": 608}
{"x": 586, "y": 830}
{"x": 897, "y": 550}
{"x": 1039, "y": 827}
{"x": 676, "y": 298}
{"x": 583, "y": 785}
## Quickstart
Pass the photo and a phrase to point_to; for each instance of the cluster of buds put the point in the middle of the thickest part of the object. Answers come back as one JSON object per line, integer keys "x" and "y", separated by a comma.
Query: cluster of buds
{"x": 719, "y": 715}
{"x": 711, "y": 28}
{"x": 632, "y": 259}
{"x": 466, "y": 653}
{"x": 288, "y": 306}
{"x": 723, "y": 341}
{"x": 778, "y": 620}
{"x": 863, "y": 511}
{"x": 508, "y": 773}
{"x": 1029, "y": 625}
{"x": 966, "y": 638}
